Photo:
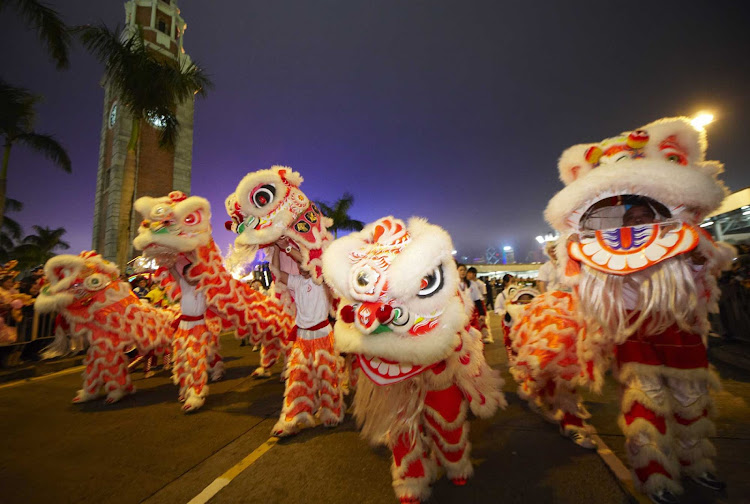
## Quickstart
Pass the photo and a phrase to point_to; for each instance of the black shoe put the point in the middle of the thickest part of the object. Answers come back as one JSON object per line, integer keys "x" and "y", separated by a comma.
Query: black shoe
{"x": 708, "y": 480}
{"x": 663, "y": 497}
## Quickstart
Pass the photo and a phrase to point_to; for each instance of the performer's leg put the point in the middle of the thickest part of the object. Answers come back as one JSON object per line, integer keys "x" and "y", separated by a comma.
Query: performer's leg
{"x": 327, "y": 382}
{"x": 150, "y": 361}
{"x": 216, "y": 363}
{"x": 692, "y": 406}
{"x": 117, "y": 382}
{"x": 269, "y": 352}
{"x": 92, "y": 376}
{"x": 191, "y": 365}
{"x": 299, "y": 394}
{"x": 446, "y": 425}
{"x": 646, "y": 422}
{"x": 179, "y": 362}
{"x": 568, "y": 407}
{"x": 412, "y": 471}
{"x": 167, "y": 358}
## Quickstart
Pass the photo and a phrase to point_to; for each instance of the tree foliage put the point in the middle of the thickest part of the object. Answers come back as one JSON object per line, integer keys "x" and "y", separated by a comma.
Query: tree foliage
{"x": 17, "y": 126}
{"x": 48, "y": 24}
{"x": 36, "y": 249}
{"x": 339, "y": 213}
{"x": 145, "y": 82}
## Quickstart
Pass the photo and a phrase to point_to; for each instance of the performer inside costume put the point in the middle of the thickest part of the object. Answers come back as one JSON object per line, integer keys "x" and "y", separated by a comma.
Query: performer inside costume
{"x": 312, "y": 384}
{"x": 421, "y": 364}
{"x": 645, "y": 276}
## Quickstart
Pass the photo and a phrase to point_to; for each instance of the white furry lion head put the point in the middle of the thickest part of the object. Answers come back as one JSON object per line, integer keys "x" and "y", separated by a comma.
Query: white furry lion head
{"x": 400, "y": 309}
{"x": 71, "y": 278}
{"x": 635, "y": 200}
{"x": 172, "y": 225}
{"x": 269, "y": 204}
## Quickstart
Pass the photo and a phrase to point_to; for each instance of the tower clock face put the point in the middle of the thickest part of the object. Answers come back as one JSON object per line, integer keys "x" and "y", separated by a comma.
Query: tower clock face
{"x": 113, "y": 115}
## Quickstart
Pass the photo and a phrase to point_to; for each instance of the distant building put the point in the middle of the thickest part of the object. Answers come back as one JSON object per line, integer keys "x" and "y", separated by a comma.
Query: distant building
{"x": 731, "y": 221}
{"x": 159, "y": 170}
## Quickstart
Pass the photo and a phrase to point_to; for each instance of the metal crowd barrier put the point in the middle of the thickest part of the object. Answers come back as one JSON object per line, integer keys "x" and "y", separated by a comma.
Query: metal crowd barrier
{"x": 33, "y": 332}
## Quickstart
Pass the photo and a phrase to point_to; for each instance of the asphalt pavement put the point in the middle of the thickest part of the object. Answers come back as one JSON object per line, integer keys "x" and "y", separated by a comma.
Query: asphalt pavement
{"x": 144, "y": 449}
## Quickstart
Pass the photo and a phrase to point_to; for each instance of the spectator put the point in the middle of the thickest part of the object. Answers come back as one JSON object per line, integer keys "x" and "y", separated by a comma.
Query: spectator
{"x": 141, "y": 287}
{"x": 500, "y": 299}
{"x": 478, "y": 293}
{"x": 548, "y": 279}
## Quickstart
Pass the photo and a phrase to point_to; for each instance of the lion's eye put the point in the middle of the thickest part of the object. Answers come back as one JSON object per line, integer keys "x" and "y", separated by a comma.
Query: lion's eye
{"x": 431, "y": 283}
{"x": 676, "y": 158}
{"x": 400, "y": 316}
{"x": 95, "y": 282}
{"x": 192, "y": 219}
{"x": 263, "y": 195}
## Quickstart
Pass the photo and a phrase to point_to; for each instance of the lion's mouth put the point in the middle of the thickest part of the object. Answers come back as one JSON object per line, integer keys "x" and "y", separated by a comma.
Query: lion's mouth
{"x": 386, "y": 372}
{"x": 622, "y": 234}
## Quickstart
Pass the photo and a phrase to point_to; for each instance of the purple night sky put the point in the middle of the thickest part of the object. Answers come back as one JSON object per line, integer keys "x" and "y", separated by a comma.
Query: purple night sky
{"x": 454, "y": 111}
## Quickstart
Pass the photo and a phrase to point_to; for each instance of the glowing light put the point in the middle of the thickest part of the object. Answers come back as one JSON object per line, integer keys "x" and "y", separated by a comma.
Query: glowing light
{"x": 702, "y": 119}
{"x": 745, "y": 207}
{"x": 549, "y": 237}
{"x": 746, "y": 212}
{"x": 454, "y": 252}
{"x": 507, "y": 248}
{"x": 706, "y": 224}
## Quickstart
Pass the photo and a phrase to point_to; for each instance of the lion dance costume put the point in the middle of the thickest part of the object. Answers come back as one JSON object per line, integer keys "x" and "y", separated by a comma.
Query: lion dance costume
{"x": 404, "y": 318}
{"x": 644, "y": 278}
{"x": 176, "y": 231}
{"x": 95, "y": 306}
{"x": 268, "y": 205}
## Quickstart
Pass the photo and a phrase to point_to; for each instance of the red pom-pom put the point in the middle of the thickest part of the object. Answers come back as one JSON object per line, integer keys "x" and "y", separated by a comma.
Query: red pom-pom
{"x": 347, "y": 314}
{"x": 177, "y": 196}
{"x": 384, "y": 314}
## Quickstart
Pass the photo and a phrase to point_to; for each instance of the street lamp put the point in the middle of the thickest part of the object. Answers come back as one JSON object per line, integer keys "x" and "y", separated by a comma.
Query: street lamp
{"x": 701, "y": 120}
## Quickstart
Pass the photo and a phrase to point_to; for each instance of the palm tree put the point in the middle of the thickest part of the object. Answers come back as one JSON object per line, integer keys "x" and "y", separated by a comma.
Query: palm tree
{"x": 16, "y": 126}
{"x": 10, "y": 231}
{"x": 148, "y": 85}
{"x": 339, "y": 213}
{"x": 38, "y": 248}
{"x": 48, "y": 24}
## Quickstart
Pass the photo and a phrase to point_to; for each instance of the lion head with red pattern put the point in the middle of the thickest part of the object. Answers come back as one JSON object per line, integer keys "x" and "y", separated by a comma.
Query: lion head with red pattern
{"x": 631, "y": 208}
{"x": 80, "y": 281}
{"x": 268, "y": 205}
{"x": 401, "y": 308}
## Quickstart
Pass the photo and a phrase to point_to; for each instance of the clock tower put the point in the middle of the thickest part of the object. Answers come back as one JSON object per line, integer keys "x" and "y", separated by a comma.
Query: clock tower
{"x": 158, "y": 170}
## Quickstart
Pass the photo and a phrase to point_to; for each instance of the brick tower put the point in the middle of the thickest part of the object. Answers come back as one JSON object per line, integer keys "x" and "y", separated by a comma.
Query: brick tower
{"x": 159, "y": 170}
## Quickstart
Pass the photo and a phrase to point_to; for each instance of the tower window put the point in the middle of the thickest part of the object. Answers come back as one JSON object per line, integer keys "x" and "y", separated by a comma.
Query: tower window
{"x": 162, "y": 26}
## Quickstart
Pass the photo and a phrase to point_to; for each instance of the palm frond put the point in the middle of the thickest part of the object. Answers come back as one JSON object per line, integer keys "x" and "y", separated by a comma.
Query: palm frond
{"x": 48, "y": 147}
{"x": 13, "y": 205}
{"x": 145, "y": 82}
{"x": 11, "y": 227}
{"x": 17, "y": 106}
{"x": 49, "y": 26}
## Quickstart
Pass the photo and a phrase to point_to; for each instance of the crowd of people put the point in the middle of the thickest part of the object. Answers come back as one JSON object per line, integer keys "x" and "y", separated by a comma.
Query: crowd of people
{"x": 16, "y": 302}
